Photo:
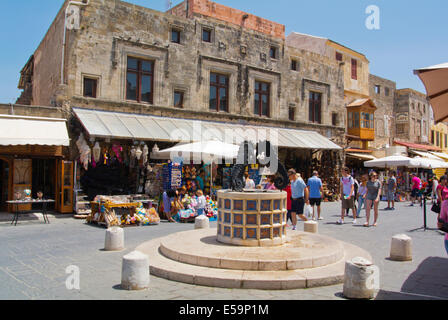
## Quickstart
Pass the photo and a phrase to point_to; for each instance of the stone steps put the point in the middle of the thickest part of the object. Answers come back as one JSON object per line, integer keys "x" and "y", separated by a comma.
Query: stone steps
{"x": 216, "y": 276}
{"x": 301, "y": 252}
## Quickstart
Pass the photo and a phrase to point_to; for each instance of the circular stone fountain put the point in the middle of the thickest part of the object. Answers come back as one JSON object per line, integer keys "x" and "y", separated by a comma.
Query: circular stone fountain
{"x": 252, "y": 218}
{"x": 250, "y": 248}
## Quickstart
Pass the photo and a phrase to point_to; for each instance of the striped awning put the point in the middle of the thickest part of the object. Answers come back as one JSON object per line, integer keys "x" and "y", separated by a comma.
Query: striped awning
{"x": 116, "y": 125}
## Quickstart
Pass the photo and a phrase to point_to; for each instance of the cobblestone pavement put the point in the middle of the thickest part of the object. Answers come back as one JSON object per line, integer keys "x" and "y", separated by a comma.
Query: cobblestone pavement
{"x": 34, "y": 257}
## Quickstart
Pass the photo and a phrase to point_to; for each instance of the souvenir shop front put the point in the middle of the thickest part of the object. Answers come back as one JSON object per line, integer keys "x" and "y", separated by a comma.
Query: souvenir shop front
{"x": 32, "y": 159}
{"x": 119, "y": 155}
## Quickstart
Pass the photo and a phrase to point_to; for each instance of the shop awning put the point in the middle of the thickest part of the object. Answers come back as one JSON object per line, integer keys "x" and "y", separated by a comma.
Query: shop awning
{"x": 442, "y": 155}
{"x": 116, "y": 125}
{"x": 360, "y": 156}
{"x": 426, "y": 155}
{"x": 22, "y": 130}
{"x": 422, "y": 147}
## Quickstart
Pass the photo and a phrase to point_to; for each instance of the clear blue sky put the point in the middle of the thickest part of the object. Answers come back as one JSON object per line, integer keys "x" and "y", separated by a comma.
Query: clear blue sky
{"x": 412, "y": 33}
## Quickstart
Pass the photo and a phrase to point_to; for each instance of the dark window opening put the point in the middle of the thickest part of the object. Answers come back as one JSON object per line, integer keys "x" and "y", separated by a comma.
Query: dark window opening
{"x": 90, "y": 87}
{"x": 315, "y": 107}
{"x": 175, "y": 35}
{"x": 219, "y": 92}
{"x": 292, "y": 113}
{"x": 178, "y": 99}
{"x": 206, "y": 35}
{"x": 334, "y": 119}
{"x": 294, "y": 65}
{"x": 140, "y": 80}
{"x": 273, "y": 52}
{"x": 262, "y": 98}
{"x": 354, "y": 69}
{"x": 338, "y": 56}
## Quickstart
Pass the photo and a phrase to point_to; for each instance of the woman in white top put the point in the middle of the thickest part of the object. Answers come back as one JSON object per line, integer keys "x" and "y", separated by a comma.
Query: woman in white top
{"x": 250, "y": 184}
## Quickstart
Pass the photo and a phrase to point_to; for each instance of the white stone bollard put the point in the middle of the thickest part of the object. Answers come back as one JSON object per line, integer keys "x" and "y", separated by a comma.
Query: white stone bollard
{"x": 361, "y": 280}
{"x": 401, "y": 248}
{"x": 310, "y": 226}
{"x": 114, "y": 239}
{"x": 201, "y": 222}
{"x": 135, "y": 271}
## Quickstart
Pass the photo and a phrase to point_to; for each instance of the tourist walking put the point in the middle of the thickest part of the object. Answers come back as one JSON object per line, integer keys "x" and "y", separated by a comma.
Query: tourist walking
{"x": 347, "y": 194}
{"x": 442, "y": 217}
{"x": 415, "y": 188}
{"x": 372, "y": 198}
{"x": 440, "y": 189}
{"x": 299, "y": 196}
{"x": 391, "y": 189}
{"x": 435, "y": 184}
{"x": 315, "y": 191}
{"x": 362, "y": 193}
{"x": 250, "y": 184}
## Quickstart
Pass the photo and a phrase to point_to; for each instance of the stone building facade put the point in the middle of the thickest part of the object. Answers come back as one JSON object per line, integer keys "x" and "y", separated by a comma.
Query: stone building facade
{"x": 412, "y": 116}
{"x": 353, "y": 69}
{"x": 382, "y": 92}
{"x": 245, "y": 49}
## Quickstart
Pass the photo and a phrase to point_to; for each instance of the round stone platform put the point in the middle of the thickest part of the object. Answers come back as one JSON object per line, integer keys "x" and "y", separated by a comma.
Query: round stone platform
{"x": 196, "y": 257}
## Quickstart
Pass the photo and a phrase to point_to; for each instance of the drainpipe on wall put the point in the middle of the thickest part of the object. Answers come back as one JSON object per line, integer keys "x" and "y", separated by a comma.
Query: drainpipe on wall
{"x": 65, "y": 32}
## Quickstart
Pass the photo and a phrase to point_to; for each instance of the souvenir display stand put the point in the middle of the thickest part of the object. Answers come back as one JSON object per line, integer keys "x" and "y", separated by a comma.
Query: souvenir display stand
{"x": 172, "y": 176}
{"x": 189, "y": 175}
{"x": 131, "y": 213}
{"x": 189, "y": 213}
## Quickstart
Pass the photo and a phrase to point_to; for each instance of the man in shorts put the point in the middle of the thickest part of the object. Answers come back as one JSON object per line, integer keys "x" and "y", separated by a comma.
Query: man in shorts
{"x": 299, "y": 196}
{"x": 316, "y": 191}
{"x": 347, "y": 194}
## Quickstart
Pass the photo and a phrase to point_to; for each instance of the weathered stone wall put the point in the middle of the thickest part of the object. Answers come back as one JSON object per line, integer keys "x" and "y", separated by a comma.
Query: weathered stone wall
{"x": 354, "y": 88}
{"x": 315, "y": 73}
{"x": 384, "y": 115}
{"x": 47, "y": 62}
{"x": 112, "y": 30}
{"x": 32, "y": 111}
{"x": 237, "y": 17}
{"x": 412, "y": 116}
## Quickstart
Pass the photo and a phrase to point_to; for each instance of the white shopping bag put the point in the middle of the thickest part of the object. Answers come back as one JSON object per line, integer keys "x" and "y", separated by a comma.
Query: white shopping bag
{"x": 308, "y": 211}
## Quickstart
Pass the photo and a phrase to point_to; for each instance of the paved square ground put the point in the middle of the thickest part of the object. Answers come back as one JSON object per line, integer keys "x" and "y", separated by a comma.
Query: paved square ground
{"x": 34, "y": 257}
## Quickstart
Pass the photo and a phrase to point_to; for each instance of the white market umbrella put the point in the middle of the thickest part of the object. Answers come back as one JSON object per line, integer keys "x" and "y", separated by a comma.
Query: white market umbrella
{"x": 435, "y": 79}
{"x": 211, "y": 149}
{"x": 390, "y": 161}
{"x": 427, "y": 163}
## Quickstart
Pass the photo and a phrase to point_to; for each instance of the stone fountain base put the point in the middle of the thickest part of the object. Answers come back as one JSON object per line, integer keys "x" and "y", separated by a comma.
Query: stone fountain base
{"x": 304, "y": 260}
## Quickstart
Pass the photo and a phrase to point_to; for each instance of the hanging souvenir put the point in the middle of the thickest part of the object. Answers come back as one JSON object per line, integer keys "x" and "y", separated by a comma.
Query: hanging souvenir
{"x": 117, "y": 149}
{"x": 138, "y": 153}
{"x": 106, "y": 158}
{"x": 125, "y": 157}
{"x": 133, "y": 150}
{"x": 93, "y": 162}
{"x": 96, "y": 152}
{"x": 145, "y": 154}
{"x": 132, "y": 158}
